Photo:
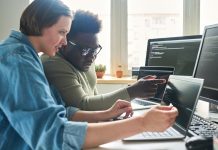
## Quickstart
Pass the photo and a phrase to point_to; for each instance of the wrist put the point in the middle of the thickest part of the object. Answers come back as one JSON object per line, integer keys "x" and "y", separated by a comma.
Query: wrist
{"x": 106, "y": 115}
{"x": 141, "y": 125}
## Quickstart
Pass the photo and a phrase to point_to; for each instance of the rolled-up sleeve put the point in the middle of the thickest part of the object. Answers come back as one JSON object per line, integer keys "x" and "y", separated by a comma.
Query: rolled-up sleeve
{"x": 70, "y": 112}
{"x": 74, "y": 135}
{"x": 74, "y": 132}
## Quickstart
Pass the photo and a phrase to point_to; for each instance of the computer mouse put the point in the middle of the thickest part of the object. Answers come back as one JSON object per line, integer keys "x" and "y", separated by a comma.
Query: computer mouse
{"x": 199, "y": 143}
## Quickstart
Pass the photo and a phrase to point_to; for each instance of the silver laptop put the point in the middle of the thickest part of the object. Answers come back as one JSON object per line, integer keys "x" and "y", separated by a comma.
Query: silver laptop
{"x": 182, "y": 92}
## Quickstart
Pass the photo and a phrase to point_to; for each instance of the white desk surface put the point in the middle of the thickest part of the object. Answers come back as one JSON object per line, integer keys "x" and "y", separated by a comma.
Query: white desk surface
{"x": 160, "y": 145}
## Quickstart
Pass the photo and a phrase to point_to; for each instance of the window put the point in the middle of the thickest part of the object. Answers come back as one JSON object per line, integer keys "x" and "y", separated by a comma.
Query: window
{"x": 151, "y": 19}
{"x": 127, "y": 24}
{"x": 208, "y": 13}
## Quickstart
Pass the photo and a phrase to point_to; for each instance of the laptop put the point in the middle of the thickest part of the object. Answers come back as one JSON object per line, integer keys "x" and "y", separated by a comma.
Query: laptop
{"x": 182, "y": 92}
{"x": 162, "y": 72}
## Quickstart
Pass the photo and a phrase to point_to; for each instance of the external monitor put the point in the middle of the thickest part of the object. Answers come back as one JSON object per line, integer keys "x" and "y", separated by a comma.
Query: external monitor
{"x": 179, "y": 52}
{"x": 206, "y": 66}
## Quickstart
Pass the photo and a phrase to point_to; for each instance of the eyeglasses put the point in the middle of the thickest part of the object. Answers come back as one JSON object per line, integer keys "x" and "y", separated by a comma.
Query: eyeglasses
{"x": 86, "y": 51}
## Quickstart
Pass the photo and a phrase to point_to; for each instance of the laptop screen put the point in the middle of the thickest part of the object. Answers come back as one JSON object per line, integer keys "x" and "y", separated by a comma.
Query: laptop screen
{"x": 183, "y": 93}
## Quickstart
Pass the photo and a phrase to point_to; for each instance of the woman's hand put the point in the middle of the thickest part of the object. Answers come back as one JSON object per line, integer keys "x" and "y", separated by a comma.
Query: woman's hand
{"x": 120, "y": 107}
{"x": 159, "y": 118}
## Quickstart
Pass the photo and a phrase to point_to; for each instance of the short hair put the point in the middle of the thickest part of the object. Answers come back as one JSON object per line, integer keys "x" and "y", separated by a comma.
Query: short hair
{"x": 41, "y": 14}
{"x": 84, "y": 22}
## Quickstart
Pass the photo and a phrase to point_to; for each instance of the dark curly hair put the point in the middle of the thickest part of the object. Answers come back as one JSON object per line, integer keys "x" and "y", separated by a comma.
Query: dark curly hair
{"x": 84, "y": 22}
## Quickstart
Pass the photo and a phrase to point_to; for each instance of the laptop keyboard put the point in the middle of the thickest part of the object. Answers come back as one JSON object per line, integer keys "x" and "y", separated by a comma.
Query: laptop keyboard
{"x": 202, "y": 127}
{"x": 170, "y": 132}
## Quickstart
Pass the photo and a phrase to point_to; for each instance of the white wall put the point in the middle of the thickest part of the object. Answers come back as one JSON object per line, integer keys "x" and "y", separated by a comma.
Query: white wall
{"x": 10, "y": 12}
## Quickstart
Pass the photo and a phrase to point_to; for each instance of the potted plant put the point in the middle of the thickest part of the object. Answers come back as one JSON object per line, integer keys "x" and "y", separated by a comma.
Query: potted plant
{"x": 100, "y": 70}
{"x": 119, "y": 72}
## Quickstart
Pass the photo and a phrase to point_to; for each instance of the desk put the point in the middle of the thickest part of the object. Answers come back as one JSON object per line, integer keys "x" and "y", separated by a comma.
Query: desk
{"x": 160, "y": 145}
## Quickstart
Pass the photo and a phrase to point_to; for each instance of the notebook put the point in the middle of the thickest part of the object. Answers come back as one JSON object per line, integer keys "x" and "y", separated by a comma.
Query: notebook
{"x": 182, "y": 92}
{"x": 162, "y": 72}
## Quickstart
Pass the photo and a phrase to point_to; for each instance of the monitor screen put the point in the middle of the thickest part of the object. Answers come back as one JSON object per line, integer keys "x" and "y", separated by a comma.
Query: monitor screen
{"x": 206, "y": 64}
{"x": 179, "y": 52}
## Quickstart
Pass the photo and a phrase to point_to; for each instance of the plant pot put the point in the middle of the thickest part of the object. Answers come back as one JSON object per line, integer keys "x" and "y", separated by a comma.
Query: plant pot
{"x": 99, "y": 74}
{"x": 119, "y": 74}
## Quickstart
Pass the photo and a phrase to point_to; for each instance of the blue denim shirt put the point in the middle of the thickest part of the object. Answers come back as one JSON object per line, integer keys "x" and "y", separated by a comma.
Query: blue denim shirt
{"x": 30, "y": 118}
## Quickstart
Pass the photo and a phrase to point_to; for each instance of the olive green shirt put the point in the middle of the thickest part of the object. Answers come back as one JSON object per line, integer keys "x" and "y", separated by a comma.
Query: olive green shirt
{"x": 78, "y": 88}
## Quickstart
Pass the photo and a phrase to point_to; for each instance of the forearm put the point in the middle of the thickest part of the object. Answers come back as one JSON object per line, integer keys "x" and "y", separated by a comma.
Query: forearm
{"x": 77, "y": 97}
{"x": 96, "y": 102}
{"x": 100, "y": 133}
{"x": 91, "y": 116}
{"x": 104, "y": 101}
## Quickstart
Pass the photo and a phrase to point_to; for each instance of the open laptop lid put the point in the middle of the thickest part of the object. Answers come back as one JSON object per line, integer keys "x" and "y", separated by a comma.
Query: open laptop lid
{"x": 162, "y": 72}
{"x": 183, "y": 92}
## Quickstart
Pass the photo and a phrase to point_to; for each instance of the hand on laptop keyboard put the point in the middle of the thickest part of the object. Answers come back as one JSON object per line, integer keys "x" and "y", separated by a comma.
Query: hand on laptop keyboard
{"x": 120, "y": 108}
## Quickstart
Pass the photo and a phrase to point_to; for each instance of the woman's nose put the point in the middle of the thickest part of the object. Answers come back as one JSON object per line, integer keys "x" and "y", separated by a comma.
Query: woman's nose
{"x": 64, "y": 41}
